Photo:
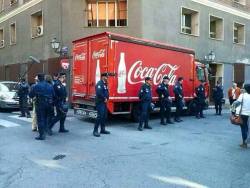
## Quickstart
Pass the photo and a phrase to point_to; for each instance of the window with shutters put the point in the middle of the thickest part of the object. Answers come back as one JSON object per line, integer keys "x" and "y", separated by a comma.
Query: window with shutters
{"x": 189, "y": 21}
{"x": 216, "y": 26}
{"x": 106, "y": 13}
{"x": 12, "y": 33}
{"x": 239, "y": 33}
{"x": 1, "y": 38}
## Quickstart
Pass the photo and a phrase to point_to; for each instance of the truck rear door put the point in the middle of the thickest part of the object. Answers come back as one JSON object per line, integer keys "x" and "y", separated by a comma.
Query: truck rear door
{"x": 79, "y": 85}
{"x": 98, "y": 64}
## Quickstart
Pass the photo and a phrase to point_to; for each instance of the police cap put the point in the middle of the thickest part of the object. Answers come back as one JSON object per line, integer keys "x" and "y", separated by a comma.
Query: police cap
{"x": 165, "y": 78}
{"x": 147, "y": 78}
{"x": 105, "y": 74}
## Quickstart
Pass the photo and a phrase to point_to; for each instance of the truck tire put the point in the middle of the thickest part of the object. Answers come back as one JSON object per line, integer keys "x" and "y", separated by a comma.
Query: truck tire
{"x": 135, "y": 113}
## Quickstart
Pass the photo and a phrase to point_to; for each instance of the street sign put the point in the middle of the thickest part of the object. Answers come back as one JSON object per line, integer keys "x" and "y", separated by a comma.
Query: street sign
{"x": 65, "y": 64}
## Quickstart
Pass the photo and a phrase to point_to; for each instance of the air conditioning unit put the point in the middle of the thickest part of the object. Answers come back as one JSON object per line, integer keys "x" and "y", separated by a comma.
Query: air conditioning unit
{"x": 186, "y": 29}
{"x": 39, "y": 30}
{"x": 1, "y": 43}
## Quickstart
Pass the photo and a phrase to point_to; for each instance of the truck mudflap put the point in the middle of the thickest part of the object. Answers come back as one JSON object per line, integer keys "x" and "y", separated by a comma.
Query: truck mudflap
{"x": 81, "y": 112}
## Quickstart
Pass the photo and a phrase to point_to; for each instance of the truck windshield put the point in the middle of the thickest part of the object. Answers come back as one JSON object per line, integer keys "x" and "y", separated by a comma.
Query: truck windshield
{"x": 200, "y": 74}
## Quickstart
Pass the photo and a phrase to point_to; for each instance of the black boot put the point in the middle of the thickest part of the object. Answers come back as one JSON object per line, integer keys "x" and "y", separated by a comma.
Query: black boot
{"x": 140, "y": 127}
{"x": 40, "y": 137}
{"x": 104, "y": 132}
{"x": 96, "y": 134}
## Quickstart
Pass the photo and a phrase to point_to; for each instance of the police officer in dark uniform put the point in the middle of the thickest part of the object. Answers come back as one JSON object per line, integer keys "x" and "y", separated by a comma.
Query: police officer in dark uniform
{"x": 44, "y": 94}
{"x": 165, "y": 101}
{"x": 218, "y": 96}
{"x": 23, "y": 92}
{"x": 178, "y": 91}
{"x": 145, "y": 96}
{"x": 200, "y": 100}
{"x": 60, "y": 103}
{"x": 102, "y": 96}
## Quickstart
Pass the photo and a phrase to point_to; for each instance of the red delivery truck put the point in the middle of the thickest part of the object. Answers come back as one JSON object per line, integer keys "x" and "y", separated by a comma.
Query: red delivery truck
{"x": 129, "y": 60}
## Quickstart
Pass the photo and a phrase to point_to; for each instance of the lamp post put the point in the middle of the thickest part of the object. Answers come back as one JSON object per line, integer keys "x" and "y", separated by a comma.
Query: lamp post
{"x": 55, "y": 45}
{"x": 210, "y": 57}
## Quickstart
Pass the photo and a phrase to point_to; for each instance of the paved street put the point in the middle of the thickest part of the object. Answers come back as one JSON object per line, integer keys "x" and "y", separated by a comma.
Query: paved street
{"x": 194, "y": 153}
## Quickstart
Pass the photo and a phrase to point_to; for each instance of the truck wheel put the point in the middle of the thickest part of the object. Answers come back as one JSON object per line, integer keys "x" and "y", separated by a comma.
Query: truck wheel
{"x": 135, "y": 114}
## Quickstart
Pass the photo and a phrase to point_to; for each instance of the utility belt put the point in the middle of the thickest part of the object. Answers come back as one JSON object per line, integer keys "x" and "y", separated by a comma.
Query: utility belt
{"x": 44, "y": 100}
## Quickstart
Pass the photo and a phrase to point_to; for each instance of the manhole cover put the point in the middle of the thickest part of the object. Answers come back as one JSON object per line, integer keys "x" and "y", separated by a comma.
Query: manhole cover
{"x": 58, "y": 157}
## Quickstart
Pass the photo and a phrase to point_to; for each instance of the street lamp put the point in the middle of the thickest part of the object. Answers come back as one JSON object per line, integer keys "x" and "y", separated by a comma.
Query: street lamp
{"x": 55, "y": 45}
{"x": 210, "y": 57}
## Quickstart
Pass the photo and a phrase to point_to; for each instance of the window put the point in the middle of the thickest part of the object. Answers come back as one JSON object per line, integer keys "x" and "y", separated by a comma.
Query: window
{"x": 242, "y": 2}
{"x": 200, "y": 74}
{"x": 13, "y": 33}
{"x": 12, "y": 2}
{"x": 216, "y": 28}
{"x": 107, "y": 13}
{"x": 1, "y": 38}
{"x": 37, "y": 24}
{"x": 1, "y": 5}
{"x": 239, "y": 33}
{"x": 189, "y": 21}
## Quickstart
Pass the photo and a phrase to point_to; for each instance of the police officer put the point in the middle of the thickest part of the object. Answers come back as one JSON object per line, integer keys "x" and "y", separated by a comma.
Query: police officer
{"x": 102, "y": 96}
{"x": 23, "y": 92}
{"x": 60, "y": 103}
{"x": 145, "y": 96}
{"x": 218, "y": 96}
{"x": 178, "y": 91}
{"x": 200, "y": 100}
{"x": 44, "y": 94}
{"x": 55, "y": 78}
{"x": 165, "y": 101}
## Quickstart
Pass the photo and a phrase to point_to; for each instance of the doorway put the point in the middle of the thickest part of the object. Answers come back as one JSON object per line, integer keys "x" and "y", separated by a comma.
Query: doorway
{"x": 239, "y": 74}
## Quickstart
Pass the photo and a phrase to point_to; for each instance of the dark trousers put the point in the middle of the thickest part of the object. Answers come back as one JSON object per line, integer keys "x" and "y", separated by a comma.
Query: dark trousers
{"x": 199, "y": 109}
{"x": 144, "y": 115}
{"x": 244, "y": 128}
{"x": 42, "y": 118}
{"x": 23, "y": 104}
{"x": 165, "y": 111}
{"x": 179, "y": 107}
{"x": 218, "y": 106}
{"x": 101, "y": 116}
{"x": 60, "y": 116}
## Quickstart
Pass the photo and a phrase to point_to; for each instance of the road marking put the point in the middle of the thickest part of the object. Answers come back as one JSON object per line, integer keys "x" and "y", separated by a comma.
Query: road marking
{"x": 5, "y": 123}
{"x": 29, "y": 120}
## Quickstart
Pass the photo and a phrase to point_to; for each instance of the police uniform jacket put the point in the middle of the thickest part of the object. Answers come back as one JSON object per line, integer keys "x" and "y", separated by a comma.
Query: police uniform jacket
{"x": 145, "y": 94}
{"x": 60, "y": 93}
{"x": 43, "y": 92}
{"x": 102, "y": 92}
{"x": 163, "y": 93}
{"x": 178, "y": 91}
{"x": 23, "y": 89}
{"x": 200, "y": 93}
{"x": 218, "y": 93}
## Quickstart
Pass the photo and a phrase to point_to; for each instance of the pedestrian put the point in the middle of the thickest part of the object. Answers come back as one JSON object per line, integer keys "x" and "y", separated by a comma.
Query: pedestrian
{"x": 218, "y": 96}
{"x": 179, "y": 100}
{"x": 233, "y": 93}
{"x": 145, "y": 96}
{"x": 243, "y": 102}
{"x": 55, "y": 78}
{"x": 44, "y": 94}
{"x": 51, "y": 112}
{"x": 60, "y": 103}
{"x": 200, "y": 100}
{"x": 165, "y": 101}
{"x": 23, "y": 92}
{"x": 34, "y": 117}
{"x": 101, "y": 100}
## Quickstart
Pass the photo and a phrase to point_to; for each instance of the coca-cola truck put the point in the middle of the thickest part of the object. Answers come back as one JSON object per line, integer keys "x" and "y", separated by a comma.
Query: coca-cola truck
{"x": 129, "y": 60}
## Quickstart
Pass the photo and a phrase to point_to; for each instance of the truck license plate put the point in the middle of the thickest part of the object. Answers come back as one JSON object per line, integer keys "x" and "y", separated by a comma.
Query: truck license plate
{"x": 86, "y": 113}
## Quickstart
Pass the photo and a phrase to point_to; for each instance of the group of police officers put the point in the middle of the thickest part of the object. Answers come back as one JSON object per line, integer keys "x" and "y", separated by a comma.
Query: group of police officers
{"x": 49, "y": 96}
{"x": 165, "y": 102}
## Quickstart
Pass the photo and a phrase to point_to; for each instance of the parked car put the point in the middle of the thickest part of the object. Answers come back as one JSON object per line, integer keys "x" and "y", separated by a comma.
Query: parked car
{"x": 8, "y": 95}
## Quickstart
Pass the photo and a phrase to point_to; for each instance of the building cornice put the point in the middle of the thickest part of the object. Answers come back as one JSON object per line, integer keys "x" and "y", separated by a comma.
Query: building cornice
{"x": 19, "y": 10}
{"x": 223, "y": 8}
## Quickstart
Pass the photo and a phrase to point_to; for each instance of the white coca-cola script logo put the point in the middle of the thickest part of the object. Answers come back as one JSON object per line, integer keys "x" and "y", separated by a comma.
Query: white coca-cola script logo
{"x": 137, "y": 73}
{"x": 99, "y": 54}
{"x": 80, "y": 57}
